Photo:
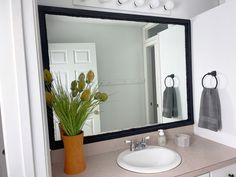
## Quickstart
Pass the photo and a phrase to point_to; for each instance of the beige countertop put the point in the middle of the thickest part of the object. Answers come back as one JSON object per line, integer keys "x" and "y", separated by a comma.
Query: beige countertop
{"x": 201, "y": 157}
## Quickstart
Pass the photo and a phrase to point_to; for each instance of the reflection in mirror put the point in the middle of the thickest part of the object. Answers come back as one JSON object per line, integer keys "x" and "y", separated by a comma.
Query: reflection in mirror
{"x": 141, "y": 65}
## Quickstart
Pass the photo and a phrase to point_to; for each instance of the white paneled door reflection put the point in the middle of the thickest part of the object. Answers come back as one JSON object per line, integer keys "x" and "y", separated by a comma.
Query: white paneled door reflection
{"x": 67, "y": 61}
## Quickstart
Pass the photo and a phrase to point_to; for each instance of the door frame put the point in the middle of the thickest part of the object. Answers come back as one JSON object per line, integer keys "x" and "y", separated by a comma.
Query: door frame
{"x": 154, "y": 41}
{"x": 22, "y": 97}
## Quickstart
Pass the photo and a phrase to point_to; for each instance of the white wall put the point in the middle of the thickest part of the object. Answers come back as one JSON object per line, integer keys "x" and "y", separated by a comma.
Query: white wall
{"x": 119, "y": 50}
{"x": 183, "y": 8}
{"x": 191, "y": 8}
{"x": 214, "y": 41}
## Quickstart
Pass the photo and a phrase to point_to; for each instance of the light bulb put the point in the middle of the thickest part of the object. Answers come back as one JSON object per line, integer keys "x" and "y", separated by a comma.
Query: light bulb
{"x": 139, "y": 3}
{"x": 169, "y": 5}
{"x": 122, "y": 1}
{"x": 154, "y": 4}
{"x": 104, "y": 1}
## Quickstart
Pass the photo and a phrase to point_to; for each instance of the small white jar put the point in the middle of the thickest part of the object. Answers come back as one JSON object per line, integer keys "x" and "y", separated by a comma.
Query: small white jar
{"x": 182, "y": 140}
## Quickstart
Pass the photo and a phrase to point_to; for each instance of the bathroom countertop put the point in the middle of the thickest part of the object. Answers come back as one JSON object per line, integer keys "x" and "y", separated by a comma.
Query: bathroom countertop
{"x": 201, "y": 157}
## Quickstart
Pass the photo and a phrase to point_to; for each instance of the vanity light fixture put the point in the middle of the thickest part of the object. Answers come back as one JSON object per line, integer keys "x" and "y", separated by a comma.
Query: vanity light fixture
{"x": 139, "y": 3}
{"x": 169, "y": 5}
{"x": 154, "y": 4}
{"x": 122, "y": 1}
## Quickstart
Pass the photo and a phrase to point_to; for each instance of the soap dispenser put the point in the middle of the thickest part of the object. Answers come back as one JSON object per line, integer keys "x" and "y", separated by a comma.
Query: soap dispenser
{"x": 161, "y": 138}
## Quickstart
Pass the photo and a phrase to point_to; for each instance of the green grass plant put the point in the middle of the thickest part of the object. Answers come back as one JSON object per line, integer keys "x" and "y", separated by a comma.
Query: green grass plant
{"x": 72, "y": 108}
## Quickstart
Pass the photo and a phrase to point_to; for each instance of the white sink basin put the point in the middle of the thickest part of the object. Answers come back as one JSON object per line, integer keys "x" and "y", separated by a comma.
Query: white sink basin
{"x": 153, "y": 159}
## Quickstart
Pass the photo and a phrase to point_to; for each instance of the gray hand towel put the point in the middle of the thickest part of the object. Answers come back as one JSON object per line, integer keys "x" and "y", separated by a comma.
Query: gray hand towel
{"x": 210, "y": 110}
{"x": 170, "y": 103}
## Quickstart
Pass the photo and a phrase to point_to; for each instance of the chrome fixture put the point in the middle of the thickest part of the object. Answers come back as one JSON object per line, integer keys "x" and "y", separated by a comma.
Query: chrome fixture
{"x": 137, "y": 145}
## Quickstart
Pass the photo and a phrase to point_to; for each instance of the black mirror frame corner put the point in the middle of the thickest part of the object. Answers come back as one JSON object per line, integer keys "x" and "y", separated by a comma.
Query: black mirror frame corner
{"x": 44, "y": 10}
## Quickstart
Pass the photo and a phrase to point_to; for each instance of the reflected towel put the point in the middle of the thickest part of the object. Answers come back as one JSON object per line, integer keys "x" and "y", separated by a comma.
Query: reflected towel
{"x": 210, "y": 110}
{"x": 170, "y": 103}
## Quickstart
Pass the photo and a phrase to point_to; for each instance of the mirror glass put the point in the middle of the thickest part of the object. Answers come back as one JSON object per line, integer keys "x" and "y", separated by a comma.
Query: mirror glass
{"x": 142, "y": 66}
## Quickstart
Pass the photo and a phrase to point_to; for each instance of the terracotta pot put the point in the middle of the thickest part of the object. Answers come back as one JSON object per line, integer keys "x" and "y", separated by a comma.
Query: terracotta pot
{"x": 61, "y": 131}
{"x": 74, "y": 162}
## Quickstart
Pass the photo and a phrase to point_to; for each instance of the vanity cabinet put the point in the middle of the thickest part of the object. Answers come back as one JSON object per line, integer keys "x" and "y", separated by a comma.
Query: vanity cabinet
{"x": 229, "y": 171}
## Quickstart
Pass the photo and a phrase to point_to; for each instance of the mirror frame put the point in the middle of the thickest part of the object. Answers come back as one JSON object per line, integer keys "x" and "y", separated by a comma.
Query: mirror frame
{"x": 44, "y": 10}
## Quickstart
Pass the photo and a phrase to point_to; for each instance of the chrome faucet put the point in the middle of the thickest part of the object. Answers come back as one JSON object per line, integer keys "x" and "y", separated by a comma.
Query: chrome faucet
{"x": 137, "y": 145}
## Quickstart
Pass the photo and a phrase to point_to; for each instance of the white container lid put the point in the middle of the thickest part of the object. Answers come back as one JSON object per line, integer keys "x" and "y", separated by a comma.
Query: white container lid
{"x": 161, "y": 132}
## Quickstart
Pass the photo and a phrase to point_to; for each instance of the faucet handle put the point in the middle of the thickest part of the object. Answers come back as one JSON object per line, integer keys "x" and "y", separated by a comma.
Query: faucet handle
{"x": 145, "y": 139}
{"x": 128, "y": 141}
{"x": 131, "y": 144}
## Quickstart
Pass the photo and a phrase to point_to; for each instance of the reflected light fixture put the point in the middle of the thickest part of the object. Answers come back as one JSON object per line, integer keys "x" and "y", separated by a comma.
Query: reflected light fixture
{"x": 122, "y": 1}
{"x": 169, "y": 5}
{"x": 154, "y": 4}
{"x": 139, "y": 3}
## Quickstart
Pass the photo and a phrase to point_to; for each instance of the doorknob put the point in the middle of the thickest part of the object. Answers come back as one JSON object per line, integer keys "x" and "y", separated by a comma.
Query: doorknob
{"x": 96, "y": 112}
{"x": 3, "y": 152}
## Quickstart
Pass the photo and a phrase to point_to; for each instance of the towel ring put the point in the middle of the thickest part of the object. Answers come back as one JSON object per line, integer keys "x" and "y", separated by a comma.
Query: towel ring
{"x": 172, "y": 78}
{"x": 213, "y": 74}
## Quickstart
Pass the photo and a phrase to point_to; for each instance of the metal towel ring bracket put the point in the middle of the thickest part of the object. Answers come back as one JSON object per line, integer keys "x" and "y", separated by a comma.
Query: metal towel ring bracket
{"x": 172, "y": 78}
{"x": 213, "y": 74}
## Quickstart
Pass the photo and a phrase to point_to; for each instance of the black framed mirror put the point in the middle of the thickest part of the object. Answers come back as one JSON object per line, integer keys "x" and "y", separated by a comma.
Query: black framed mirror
{"x": 139, "y": 61}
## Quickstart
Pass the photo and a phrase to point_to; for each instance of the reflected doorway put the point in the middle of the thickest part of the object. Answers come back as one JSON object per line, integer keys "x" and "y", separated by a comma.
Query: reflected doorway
{"x": 153, "y": 85}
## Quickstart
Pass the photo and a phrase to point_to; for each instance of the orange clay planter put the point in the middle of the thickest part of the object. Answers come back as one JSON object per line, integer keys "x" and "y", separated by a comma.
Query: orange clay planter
{"x": 61, "y": 131}
{"x": 74, "y": 162}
